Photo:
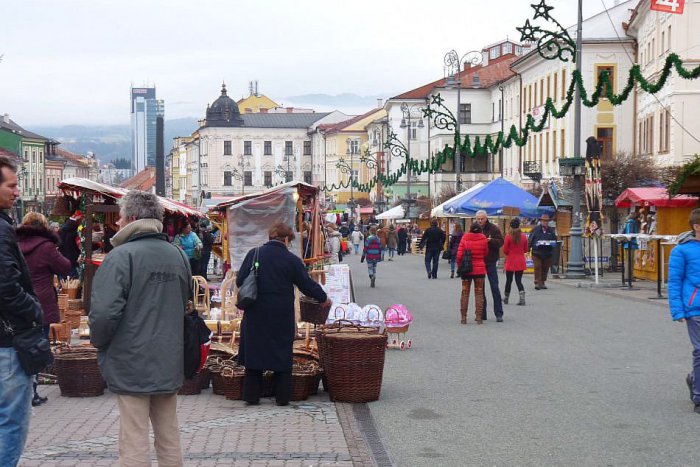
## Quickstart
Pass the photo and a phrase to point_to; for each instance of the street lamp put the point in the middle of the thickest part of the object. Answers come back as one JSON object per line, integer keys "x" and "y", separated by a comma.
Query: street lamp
{"x": 21, "y": 176}
{"x": 240, "y": 174}
{"x": 407, "y": 115}
{"x": 453, "y": 68}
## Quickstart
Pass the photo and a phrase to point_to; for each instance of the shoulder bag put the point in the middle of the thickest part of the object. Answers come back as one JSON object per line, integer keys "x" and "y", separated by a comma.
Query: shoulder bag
{"x": 33, "y": 349}
{"x": 248, "y": 291}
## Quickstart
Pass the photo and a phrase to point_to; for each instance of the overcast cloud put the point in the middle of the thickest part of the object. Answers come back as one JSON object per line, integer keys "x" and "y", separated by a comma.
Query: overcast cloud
{"x": 73, "y": 61}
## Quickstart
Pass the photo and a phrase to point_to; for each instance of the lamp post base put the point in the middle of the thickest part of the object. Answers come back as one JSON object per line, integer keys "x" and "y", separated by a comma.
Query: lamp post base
{"x": 574, "y": 268}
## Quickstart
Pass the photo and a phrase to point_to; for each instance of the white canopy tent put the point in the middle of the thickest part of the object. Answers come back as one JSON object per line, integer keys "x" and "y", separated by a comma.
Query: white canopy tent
{"x": 396, "y": 212}
{"x": 438, "y": 212}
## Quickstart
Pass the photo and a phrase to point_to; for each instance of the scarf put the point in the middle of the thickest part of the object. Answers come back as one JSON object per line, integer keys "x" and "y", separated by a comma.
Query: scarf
{"x": 136, "y": 227}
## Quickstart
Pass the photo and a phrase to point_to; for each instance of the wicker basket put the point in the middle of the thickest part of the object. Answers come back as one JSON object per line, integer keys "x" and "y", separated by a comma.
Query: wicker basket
{"x": 232, "y": 379}
{"x": 75, "y": 304}
{"x": 353, "y": 361}
{"x": 73, "y": 318}
{"x": 312, "y": 311}
{"x": 64, "y": 206}
{"x": 72, "y": 293}
{"x": 62, "y": 301}
{"x": 78, "y": 374}
{"x": 217, "y": 382}
{"x": 193, "y": 386}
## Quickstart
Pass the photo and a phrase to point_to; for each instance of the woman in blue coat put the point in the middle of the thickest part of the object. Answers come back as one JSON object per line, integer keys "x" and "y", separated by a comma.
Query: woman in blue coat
{"x": 268, "y": 327}
{"x": 684, "y": 295}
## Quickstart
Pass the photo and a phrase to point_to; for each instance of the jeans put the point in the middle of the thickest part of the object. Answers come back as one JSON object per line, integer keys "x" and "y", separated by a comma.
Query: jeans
{"x": 15, "y": 407}
{"x": 372, "y": 268}
{"x": 694, "y": 334}
{"x": 392, "y": 251}
{"x": 383, "y": 252}
{"x": 357, "y": 247}
{"x": 134, "y": 443}
{"x": 432, "y": 256}
{"x": 492, "y": 273}
{"x": 453, "y": 263}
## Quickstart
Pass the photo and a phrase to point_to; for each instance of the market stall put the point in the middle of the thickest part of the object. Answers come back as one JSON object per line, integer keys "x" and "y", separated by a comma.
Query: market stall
{"x": 99, "y": 203}
{"x": 438, "y": 211}
{"x": 659, "y": 215}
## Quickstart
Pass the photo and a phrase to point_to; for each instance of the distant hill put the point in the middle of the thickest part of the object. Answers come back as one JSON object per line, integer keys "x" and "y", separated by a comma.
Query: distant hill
{"x": 109, "y": 142}
{"x": 346, "y": 102}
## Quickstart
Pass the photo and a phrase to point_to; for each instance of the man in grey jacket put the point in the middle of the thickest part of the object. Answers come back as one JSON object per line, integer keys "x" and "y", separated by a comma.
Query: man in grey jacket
{"x": 139, "y": 297}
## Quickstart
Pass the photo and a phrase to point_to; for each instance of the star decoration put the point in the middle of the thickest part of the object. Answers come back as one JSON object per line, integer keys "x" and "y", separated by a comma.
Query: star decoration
{"x": 438, "y": 100}
{"x": 542, "y": 10}
{"x": 528, "y": 31}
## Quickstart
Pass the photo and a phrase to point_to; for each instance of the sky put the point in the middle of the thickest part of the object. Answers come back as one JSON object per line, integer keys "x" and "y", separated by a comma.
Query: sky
{"x": 73, "y": 61}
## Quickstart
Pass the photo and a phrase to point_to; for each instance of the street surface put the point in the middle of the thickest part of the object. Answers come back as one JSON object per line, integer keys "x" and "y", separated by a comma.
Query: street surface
{"x": 576, "y": 377}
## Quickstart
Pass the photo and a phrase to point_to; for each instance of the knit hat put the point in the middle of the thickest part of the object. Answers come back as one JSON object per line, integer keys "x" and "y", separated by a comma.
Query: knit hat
{"x": 515, "y": 223}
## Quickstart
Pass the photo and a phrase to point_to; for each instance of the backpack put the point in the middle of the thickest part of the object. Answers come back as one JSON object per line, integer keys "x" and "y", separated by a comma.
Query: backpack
{"x": 465, "y": 266}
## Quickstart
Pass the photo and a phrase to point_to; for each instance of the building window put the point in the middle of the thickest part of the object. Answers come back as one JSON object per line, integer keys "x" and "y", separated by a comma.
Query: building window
{"x": 307, "y": 148}
{"x": 546, "y": 149}
{"x": 267, "y": 176}
{"x": 288, "y": 176}
{"x": 227, "y": 148}
{"x": 247, "y": 148}
{"x": 288, "y": 148}
{"x": 495, "y": 52}
{"x": 227, "y": 178}
{"x": 476, "y": 164}
{"x": 465, "y": 113}
{"x": 542, "y": 91}
{"x": 268, "y": 148}
{"x": 604, "y": 135}
{"x": 507, "y": 48}
{"x": 307, "y": 176}
{"x": 563, "y": 84}
{"x": 555, "y": 95}
{"x": 611, "y": 76}
{"x": 668, "y": 38}
{"x": 554, "y": 145}
{"x": 666, "y": 131}
{"x": 248, "y": 178}
{"x": 562, "y": 153}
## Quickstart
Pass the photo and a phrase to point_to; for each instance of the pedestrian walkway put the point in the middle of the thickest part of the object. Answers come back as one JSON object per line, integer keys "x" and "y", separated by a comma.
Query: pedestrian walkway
{"x": 215, "y": 432}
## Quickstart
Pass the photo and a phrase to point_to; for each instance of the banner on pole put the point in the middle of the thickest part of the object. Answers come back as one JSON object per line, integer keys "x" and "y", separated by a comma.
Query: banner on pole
{"x": 668, "y": 6}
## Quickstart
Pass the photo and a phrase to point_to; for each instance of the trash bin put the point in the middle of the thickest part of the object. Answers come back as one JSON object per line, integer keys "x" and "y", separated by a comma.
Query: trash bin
{"x": 556, "y": 252}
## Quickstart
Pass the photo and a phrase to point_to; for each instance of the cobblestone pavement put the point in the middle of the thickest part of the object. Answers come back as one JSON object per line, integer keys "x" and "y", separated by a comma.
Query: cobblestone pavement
{"x": 83, "y": 432}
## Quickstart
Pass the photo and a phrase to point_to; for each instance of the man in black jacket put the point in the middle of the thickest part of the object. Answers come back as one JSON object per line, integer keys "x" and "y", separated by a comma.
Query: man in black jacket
{"x": 68, "y": 241}
{"x": 495, "y": 237}
{"x": 19, "y": 310}
{"x": 433, "y": 240}
{"x": 542, "y": 241}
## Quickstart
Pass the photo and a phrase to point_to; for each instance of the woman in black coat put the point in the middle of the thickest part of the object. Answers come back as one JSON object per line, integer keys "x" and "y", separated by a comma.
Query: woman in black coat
{"x": 403, "y": 236}
{"x": 268, "y": 326}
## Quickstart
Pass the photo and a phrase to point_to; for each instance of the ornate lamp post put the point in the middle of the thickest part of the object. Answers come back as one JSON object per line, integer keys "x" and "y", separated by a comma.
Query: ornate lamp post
{"x": 346, "y": 168}
{"x": 22, "y": 177}
{"x": 407, "y": 112}
{"x": 453, "y": 69}
{"x": 281, "y": 172}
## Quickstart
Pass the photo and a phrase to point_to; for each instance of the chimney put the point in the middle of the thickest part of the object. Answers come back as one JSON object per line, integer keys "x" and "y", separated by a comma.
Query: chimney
{"x": 380, "y": 103}
{"x": 6, "y": 118}
{"x": 290, "y": 110}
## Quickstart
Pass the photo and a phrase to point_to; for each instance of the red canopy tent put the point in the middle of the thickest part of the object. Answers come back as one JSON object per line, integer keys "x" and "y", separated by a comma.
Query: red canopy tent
{"x": 653, "y": 196}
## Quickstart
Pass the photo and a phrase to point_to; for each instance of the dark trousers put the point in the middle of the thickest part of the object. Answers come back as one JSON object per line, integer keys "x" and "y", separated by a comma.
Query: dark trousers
{"x": 542, "y": 265}
{"x": 694, "y": 334}
{"x": 194, "y": 266}
{"x": 432, "y": 256}
{"x": 518, "y": 280}
{"x": 492, "y": 274}
{"x": 204, "y": 264}
{"x": 252, "y": 386}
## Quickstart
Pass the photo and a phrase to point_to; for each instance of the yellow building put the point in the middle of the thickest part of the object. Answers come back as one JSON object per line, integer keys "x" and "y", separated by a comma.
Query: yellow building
{"x": 346, "y": 143}
{"x": 256, "y": 103}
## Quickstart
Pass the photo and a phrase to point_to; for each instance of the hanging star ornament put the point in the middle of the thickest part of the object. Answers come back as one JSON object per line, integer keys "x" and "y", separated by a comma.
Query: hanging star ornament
{"x": 438, "y": 100}
{"x": 528, "y": 32}
{"x": 542, "y": 10}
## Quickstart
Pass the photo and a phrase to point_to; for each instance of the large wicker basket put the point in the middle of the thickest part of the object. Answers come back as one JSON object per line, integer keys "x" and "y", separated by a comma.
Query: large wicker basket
{"x": 191, "y": 387}
{"x": 78, "y": 374}
{"x": 232, "y": 381}
{"x": 353, "y": 360}
{"x": 312, "y": 311}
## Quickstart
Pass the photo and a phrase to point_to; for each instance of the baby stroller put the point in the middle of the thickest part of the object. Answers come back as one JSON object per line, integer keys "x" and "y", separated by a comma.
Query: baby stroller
{"x": 397, "y": 321}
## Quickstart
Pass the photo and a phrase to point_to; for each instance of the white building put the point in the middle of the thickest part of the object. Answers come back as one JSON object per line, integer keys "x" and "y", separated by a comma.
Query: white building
{"x": 667, "y": 124}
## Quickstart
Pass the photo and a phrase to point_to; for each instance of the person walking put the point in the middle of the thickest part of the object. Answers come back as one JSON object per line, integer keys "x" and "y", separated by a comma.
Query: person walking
{"x": 333, "y": 239}
{"x": 69, "y": 242}
{"x": 402, "y": 235}
{"x": 515, "y": 247}
{"x": 541, "y": 242}
{"x": 495, "y": 238}
{"x": 392, "y": 241}
{"x": 20, "y": 310}
{"x": 455, "y": 238}
{"x": 683, "y": 297}
{"x": 357, "y": 239}
{"x": 382, "y": 234}
{"x": 207, "y": 239}
{"x": 39, "y": 247}
{"x": 372, "y": 252}
{"x": 433, "y": 240}
{"x": 139, "y": 297}
{"x": 269, "y": 326}
{"x": 190, "y": 243}
{"x": 474, "y": 244}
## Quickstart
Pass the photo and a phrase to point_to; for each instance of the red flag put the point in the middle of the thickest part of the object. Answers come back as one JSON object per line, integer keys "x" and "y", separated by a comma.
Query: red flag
{"x": 668, "y": 6}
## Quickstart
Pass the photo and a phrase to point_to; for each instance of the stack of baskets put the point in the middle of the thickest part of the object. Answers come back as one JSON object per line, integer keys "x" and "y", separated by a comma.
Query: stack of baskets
{"x": 77, "y": 372}
{"x": 74, "y": 312}
{"x": 352, "y": 358}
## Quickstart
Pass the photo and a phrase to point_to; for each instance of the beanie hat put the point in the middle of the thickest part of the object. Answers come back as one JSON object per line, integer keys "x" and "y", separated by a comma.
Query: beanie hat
{"x": 515, "y": 223}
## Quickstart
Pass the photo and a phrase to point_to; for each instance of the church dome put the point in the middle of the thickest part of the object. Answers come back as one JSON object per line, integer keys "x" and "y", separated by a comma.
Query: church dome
{"x": 224, "y": 111}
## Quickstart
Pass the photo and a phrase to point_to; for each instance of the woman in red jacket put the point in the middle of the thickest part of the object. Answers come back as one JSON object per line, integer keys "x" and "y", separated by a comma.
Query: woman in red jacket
{"x": 514, "y": 248}
{"x": 475, "y": 244}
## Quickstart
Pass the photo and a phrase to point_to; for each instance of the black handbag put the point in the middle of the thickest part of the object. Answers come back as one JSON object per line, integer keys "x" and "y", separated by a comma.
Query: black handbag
{"x": 465, "y": 266}
{"x": 248, "y": 291}
{"x": 446, "y": 254}
{"x": 33, "y": 350}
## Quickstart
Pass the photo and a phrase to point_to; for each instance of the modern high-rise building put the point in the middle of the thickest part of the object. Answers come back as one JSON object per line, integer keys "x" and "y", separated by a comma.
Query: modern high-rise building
{"x": 145, "y": 109}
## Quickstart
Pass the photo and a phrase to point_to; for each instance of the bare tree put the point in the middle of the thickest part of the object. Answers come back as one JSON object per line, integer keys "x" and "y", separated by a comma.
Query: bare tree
{"x": 446, "y": 192}
{"x": 624, "y": 170}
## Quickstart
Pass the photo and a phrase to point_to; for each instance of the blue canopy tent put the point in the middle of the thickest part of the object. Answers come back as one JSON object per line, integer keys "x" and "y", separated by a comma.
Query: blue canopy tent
{"x": 496, "y": 196}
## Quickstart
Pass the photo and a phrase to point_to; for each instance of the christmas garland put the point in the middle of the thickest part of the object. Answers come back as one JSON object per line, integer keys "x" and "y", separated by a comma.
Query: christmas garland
{"x": 444, "y": 119}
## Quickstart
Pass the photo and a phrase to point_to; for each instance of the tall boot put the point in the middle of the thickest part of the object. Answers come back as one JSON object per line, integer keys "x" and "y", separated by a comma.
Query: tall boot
{"x": 464, "y": 300}
{"x": 522, "y": 298}
{"x": 479, "y": 298}
{"x": 505, "y": 297}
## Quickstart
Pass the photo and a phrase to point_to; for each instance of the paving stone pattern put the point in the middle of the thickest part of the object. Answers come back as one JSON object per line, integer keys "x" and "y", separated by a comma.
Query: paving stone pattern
{"x": 214, "y": 431}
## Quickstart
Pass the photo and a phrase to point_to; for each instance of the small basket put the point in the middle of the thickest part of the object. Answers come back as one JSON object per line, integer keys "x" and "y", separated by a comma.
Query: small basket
{"x": 73, "y": 318}
{"x": 74, "y": 304}
{"x": 62, "y": 301}
{"x": 59, "y": 332}
{"x": 72, "y": 292}
{"x": 303, "y": 376}
{"x": 232, "y": 379}
{"x": 78, "y": 373}
{"x": 311, "y": 311}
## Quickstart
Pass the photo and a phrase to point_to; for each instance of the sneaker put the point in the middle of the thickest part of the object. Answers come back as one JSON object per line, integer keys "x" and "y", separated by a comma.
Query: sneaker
{"x": 499, "y": 320}
{"x": 537, "y": 287}
{"x": 38, "y": 400}
{"x": 371, "y": 281}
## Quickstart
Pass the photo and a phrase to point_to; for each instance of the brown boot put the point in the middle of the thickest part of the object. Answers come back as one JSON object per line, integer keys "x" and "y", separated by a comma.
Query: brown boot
{"x": 464, "y": 301}
{"x": 479, "y": 292}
